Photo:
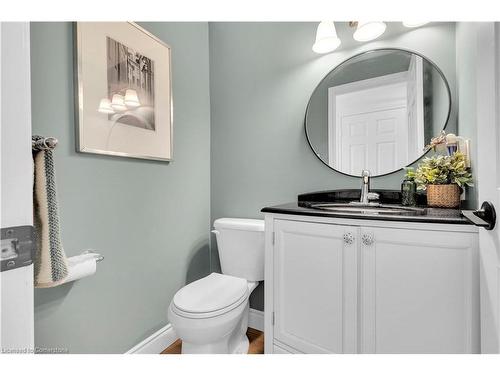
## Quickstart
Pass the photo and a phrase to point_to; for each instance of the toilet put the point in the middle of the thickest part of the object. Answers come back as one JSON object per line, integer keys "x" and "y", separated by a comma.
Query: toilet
{"x": 210, "y": 315}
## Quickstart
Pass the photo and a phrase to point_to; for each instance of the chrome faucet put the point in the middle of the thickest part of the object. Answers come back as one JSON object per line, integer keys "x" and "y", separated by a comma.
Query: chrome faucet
{"x": 366, "y": 196}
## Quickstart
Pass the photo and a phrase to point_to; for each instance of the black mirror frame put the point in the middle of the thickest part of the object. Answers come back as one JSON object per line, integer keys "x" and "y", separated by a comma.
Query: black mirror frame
{"x": 364, "y": 53}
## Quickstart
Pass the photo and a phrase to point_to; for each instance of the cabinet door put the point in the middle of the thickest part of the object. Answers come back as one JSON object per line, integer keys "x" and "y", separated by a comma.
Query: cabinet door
{"x": 418, "y": 291}
{"x": 314, "y": 298}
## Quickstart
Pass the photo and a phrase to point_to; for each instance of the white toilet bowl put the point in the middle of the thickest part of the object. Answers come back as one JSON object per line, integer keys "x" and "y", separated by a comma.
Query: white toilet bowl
{"x": 211, "y": 315}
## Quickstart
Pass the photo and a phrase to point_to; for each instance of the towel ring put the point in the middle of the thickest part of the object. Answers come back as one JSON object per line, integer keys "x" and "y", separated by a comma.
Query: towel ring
{"x": 43, "y": 143}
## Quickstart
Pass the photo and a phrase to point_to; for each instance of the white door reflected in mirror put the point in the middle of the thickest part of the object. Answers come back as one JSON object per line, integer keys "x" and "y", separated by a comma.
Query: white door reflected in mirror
{"x": 378, "y": 122}
{"x": 377, "y": 111}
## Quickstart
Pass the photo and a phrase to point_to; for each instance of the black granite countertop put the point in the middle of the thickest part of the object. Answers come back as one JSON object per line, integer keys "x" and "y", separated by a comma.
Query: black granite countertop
{"x": 430, "y": 215}
{"x": 387, "y": 197}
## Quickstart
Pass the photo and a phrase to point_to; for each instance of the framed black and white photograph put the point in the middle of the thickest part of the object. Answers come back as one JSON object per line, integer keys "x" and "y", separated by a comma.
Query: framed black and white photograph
{"x": 124, "y": 91}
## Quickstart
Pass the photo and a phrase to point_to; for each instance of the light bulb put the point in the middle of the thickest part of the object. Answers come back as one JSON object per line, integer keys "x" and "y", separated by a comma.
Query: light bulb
{"x": 131, "y": 99}
{"x": 105, "y": 106}
{"x": 117, "y": 103}
{"x": 326, "y": 38}
{"x": 414, "y": 23}
{"x": 366, "y": 31}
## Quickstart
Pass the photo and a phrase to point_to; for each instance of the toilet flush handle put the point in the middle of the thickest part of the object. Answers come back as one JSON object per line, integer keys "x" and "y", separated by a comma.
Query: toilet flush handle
{"x": 216, "y": 232}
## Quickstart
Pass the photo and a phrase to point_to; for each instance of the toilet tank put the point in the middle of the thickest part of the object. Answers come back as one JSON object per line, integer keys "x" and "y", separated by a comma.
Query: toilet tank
{"x": 241, "y": 247}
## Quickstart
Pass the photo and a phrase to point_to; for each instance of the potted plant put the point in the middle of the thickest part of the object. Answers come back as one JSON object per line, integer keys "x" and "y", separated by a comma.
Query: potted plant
{"x": 443, "y": 177}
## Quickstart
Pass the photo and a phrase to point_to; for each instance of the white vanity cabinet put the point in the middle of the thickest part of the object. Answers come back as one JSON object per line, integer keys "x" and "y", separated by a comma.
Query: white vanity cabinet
{"x": 364, "y": 286}
{"x": 311, "y": 263}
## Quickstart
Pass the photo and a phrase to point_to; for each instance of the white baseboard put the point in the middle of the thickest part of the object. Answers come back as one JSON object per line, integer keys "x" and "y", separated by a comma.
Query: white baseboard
{"x": 166, "y": 336}
{"x": 256, "y": 319}
{"x": 157, "y": 342}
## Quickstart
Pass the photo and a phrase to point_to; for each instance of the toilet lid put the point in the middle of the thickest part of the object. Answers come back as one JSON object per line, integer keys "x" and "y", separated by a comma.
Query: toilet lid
{"x": 210, "y": 294}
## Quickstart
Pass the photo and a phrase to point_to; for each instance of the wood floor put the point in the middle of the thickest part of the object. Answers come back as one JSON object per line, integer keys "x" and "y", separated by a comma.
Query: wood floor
{"x": 255, "y": 337}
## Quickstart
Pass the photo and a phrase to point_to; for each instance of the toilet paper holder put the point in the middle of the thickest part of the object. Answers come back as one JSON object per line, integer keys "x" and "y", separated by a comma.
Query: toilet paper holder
{"x": 98, "y": 257}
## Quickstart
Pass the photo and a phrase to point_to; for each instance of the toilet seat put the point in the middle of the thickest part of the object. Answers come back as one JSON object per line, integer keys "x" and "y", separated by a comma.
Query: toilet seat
{"x": 210, "y": 296}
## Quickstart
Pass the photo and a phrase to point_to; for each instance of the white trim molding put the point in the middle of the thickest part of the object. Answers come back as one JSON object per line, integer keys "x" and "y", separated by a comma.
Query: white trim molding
{"x": 16, "y": 301}
{"x": 157, "y": 342}
{"x": 256, "y": 319}
{"x": 166, "y": 336}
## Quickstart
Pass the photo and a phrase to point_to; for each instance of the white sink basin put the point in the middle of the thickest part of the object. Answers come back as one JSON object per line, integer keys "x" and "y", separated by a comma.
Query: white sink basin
{"x": 372, "y": 208}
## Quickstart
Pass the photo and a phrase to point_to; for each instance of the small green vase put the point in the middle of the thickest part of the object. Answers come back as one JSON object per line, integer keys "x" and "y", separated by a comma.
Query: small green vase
{"x": 408, "y": 193}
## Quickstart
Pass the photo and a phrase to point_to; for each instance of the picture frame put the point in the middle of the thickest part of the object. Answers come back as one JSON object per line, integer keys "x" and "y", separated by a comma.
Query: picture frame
{"x": 123, "y": 98}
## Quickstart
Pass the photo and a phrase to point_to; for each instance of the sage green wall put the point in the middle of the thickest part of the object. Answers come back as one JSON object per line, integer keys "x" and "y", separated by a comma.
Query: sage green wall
{"x": 149, "y": 219}
{"x": 236, "y": 150}
{"x": 466, "y": 42}
{"x": 262, "y": 75}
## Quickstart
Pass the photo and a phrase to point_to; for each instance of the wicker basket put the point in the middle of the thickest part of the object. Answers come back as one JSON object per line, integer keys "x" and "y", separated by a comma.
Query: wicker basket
{"x": 443, "y": 196}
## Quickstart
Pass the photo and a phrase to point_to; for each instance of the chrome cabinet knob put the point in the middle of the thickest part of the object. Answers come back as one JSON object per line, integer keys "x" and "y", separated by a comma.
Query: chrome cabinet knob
{"x": 348, "y": 238}
{"x": 367, "y": 239}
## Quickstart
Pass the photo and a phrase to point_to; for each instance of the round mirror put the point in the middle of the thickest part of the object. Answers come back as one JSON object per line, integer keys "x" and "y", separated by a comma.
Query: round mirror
{"x": 377, "y": 111}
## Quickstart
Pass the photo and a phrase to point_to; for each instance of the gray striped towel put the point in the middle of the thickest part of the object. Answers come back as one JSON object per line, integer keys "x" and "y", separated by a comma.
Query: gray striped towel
{"x": 51, "y": 266}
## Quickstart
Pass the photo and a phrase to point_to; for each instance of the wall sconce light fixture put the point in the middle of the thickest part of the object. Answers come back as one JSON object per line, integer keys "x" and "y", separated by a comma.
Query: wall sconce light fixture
{"x": 366, "y": 31}
{"x": 326, "y": 38}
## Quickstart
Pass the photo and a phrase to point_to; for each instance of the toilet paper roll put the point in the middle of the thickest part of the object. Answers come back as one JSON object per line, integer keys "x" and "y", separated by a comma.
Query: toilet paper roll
{"x": 81, "y": 266}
